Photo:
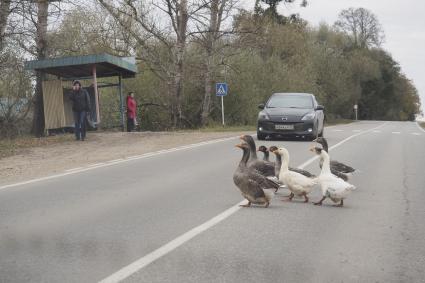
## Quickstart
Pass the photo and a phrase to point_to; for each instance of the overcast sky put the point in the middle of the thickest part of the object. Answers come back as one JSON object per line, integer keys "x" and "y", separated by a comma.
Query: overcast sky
{"x": 403, "y": 22}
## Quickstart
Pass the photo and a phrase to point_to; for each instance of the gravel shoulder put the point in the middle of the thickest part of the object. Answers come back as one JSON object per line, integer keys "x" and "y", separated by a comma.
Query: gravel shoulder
{"x": 40, "y": 161}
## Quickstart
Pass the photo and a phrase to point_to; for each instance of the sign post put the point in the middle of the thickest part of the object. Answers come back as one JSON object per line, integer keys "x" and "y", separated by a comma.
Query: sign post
{"x": 355, "y": 109}
{"x": 221, "y": 90}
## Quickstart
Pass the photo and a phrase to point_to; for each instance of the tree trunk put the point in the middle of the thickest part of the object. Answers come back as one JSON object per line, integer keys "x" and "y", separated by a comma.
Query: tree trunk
{"x": 182, "y": 19}
{"x": 211, "y": 38}
{"x": 206, "y": 103}
{"x": 4, "y": 14}
{"x": 41, "y": 43}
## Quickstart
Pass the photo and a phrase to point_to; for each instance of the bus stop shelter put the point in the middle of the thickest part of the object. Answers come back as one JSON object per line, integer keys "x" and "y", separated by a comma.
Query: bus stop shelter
{"x": 57, "y": 112}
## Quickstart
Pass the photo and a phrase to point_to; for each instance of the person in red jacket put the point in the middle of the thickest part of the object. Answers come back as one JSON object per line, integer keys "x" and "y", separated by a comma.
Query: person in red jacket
{"x": 131, "y": 111}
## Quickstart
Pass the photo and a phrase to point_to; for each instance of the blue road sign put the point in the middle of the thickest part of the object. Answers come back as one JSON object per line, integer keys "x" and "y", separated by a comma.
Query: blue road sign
{"x": 221, "y": 89}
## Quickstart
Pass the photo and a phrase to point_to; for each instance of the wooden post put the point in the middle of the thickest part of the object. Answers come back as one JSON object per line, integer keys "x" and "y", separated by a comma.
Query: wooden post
{"x": 121, "y": 102}
{"x": 96, "y": 95}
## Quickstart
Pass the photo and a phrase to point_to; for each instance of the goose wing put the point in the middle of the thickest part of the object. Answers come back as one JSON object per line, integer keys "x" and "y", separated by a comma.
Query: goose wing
{"x": 254, "y": 189}
{"x": 248, "y": 183}
{"x": 262, "y": 181}
{"x": 339, "y": 174}
{"x": 264, "y": 167}
{"x": 302, "y": 172}
{"x": 336, "y": 187}
{"x": 341, "y": 167}
{"x": 299, "y": 179}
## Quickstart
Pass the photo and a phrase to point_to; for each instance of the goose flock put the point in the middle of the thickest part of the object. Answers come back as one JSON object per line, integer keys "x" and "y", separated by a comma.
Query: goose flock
{"x": 259, "y": 179}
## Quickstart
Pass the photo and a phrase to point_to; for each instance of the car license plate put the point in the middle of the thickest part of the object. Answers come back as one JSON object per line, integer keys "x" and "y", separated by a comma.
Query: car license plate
{"x": 284, "y": 127}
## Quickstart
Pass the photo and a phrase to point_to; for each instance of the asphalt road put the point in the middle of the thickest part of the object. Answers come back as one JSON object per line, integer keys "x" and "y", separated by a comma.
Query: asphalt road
{"x": 86, "y": 226}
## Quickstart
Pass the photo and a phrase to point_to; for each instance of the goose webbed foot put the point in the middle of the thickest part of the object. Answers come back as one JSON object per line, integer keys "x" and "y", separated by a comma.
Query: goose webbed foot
{"x": 246, "y": 205}
{"x": 267, "y": 204}
{"x": 306, "y": 198}
{"x": 320, "y": 201}
{"x": 341, "y": 204}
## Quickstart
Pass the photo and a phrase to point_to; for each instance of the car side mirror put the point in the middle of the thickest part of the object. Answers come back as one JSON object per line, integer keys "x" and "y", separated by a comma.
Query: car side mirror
{"x": 320, "y": 107}
{"x": 261, "y": 106}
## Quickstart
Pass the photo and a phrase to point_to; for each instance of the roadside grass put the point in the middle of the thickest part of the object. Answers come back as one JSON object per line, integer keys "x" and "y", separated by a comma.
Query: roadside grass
{"x": 9, "y": 147}
{"x": 332, "y": 122}
{"x": 422, "y": 124}
{"x": 220, "y": 128}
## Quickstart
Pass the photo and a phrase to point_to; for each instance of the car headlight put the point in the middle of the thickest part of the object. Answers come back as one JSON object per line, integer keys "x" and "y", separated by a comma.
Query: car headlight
{"x": 309, "y": 116}
{"x": 263, "y": 116}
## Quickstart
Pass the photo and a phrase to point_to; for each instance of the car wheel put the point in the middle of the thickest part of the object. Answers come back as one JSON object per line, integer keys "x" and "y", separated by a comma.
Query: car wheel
{"x": 260, "y": 136}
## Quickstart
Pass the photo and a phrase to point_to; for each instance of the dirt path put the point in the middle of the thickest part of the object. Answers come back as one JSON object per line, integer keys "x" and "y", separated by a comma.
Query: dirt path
{"x": 99, "y": 147}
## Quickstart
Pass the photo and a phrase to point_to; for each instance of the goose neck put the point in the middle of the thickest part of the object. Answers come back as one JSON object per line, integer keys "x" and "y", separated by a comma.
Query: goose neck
{"x": 326, "y": 167}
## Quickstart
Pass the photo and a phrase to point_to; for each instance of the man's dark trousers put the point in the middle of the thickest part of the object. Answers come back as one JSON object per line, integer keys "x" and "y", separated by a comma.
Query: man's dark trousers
{"x": 80, "y": 125}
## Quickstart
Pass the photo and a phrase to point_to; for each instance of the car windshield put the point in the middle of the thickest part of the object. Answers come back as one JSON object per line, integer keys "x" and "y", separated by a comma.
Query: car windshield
{"x": 290, "y": 101}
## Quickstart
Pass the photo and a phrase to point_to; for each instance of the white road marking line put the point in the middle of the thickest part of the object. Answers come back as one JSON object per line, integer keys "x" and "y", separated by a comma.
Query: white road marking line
{"x": 170, "y": 246}
{"x": 377, "y": 131}
{"x": 83, "y": 169}
{"x": 416, "y": 134}
{"x": 134, "y": 157}
{"x": 395, "y": 133}
{"x": 142, "y": 262}
{"x": 419, "y": 127}
{"x": 95, "y": 165}
{"x": 73, "y": 169}
{"x": 337, "y": 130}
{"x": 115, "y": 160}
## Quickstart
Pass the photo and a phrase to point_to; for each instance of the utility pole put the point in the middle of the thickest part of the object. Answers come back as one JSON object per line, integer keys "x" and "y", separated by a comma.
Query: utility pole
{"x": 222, "y": 99}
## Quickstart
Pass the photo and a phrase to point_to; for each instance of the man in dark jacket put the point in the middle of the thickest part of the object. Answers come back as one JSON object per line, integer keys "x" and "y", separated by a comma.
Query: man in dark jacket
{"x": 81, "y": 105}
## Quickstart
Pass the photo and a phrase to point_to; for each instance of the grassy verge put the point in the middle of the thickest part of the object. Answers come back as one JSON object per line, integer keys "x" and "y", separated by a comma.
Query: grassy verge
{"x": 422, "y": 124}
{"x": 10, "y": 147}
{"x": 332, "y": 122}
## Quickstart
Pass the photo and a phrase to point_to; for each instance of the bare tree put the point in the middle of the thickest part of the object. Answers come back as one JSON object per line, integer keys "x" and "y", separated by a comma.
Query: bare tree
{"x": 362, "y": 26}
{"x": 41, "y": 47}
{"x": 161, "y": 45}
{"x": 27, "y": 29}
{"x": 4, "y": 15}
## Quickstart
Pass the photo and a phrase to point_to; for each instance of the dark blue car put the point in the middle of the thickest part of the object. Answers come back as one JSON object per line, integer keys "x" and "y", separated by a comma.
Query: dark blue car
{"x": 290, "y": 114}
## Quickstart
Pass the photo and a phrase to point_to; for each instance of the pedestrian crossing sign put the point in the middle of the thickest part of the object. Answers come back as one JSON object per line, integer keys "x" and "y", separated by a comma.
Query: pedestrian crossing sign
{"x": 221, "y": 89}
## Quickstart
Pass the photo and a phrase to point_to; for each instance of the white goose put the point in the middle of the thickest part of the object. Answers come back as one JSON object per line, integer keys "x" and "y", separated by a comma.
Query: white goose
{"x": 332, "y": 187}
{"x": 298, "y": 184}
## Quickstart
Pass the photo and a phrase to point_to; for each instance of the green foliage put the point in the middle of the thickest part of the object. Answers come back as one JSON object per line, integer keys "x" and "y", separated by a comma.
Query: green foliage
{"x": 15, "y": 96}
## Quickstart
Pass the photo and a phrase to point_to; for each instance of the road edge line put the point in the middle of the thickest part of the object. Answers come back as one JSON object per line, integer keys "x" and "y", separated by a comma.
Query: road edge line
{"x": 115, "y": 162}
